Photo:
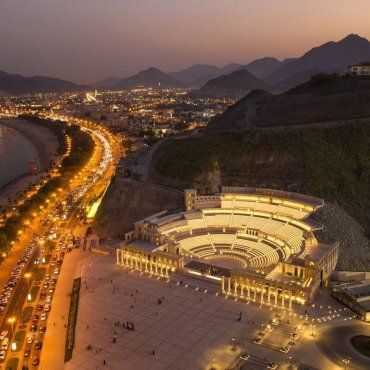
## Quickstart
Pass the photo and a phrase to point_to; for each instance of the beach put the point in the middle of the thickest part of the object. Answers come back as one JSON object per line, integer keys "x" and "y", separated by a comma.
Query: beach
{"x": 46, "y": 146}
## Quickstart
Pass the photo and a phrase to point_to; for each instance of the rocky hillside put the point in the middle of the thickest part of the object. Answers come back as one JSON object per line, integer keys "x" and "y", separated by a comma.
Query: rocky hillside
{"x": 329, "y": 162}
{"x": 324, "y": 98}
{"x": 126, "y": 203}
{"x": 354, "y": 252}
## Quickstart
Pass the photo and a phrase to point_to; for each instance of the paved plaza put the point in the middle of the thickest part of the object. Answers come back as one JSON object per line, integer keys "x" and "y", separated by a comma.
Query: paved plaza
{"x": 186, "y": 327}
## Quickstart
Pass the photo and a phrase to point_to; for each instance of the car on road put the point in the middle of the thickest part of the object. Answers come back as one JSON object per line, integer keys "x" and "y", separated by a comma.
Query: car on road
{"x": 27, "y": 352}
{"x": 35, "y": 361}
{"x": 30, "y": 337}
{"x": 257, "y": 341}
{"x": 244, "y": 356}
{"x": 56, "y": 271}
{"x": 47, "y": 308}
{"x": 43, "y": 317}
{"x": 294, "y": 336}
{"x": 3, "y": 334}
{"x": 48, "y": 299}
{"x": 5, "y": 344}
{"x": 2, "y": 355}
{"x": 51, "y": 290}
{"x": 284, "y": 349}
{"x": 35, "y": 318}
{"x": 33, "y": 328}
{"x": 43, "y": 294}
{"x": 272, "y": 366}
{"x": 42, "y": 329}
{"x": 46, "y": 285}
{"x": 53, "y": 281}
{"x": 40, "y": 307}
{"x": 38, "y": 345}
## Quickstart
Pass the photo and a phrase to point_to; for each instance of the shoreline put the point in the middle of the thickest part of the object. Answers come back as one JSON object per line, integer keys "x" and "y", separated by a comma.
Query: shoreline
{"x": 13, "y": 182}
{"x": 45, "y": 144}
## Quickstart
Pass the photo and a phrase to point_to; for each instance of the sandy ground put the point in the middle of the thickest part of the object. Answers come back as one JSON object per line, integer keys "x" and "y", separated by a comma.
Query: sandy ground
{"x": 46, "y": 144}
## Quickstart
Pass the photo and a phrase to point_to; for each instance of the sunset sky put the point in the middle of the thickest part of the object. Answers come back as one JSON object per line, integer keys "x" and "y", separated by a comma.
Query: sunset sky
{"x": 88, "y": 40}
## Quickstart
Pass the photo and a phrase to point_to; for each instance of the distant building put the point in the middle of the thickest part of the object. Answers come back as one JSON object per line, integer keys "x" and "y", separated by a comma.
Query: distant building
{"x": 360, "y": 69}
{"x": 355, "y": 295}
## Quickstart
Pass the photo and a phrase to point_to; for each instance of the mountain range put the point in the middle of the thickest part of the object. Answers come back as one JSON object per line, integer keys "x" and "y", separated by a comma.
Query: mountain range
{"x": 236, "y": 84}
{"x": 13, "y": 84}
{"x": 268, "y": 73}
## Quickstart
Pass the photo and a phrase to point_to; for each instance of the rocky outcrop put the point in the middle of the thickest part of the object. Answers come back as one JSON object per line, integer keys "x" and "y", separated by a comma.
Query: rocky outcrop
{"x": 354, "y": 251}
{"x": 127, "y": 202}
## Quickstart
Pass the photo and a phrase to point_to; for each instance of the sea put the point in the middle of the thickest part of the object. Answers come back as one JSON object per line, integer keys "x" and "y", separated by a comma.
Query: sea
{"x": 15, "y": 152}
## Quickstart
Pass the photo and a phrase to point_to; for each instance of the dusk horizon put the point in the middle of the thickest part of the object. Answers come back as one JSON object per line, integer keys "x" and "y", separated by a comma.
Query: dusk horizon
{"x": 86, "y": 44}
{"x": 184, "y": 185}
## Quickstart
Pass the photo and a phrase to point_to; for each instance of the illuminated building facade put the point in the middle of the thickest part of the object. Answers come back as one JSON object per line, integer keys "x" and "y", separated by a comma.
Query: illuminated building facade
{"x": 258, "y": 244}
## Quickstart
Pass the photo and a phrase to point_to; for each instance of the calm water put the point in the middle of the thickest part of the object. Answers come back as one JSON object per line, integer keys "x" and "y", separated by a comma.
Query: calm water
{"x": 15, "y": 152}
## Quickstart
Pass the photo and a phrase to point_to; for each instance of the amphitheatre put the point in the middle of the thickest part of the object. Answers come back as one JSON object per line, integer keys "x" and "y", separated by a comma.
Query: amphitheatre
{"x": 256, "y": 243}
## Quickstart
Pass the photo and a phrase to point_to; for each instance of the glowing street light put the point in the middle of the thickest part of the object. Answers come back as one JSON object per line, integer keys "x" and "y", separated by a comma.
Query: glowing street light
{"x": 11, "y": 320}
{"x": 346, "y": 361}
{"x": 27, "y": 276}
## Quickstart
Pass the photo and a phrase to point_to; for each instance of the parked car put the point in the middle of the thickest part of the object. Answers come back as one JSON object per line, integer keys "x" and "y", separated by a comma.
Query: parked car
{"x": 35, "y": 361}
{"x": 3, "y": 334}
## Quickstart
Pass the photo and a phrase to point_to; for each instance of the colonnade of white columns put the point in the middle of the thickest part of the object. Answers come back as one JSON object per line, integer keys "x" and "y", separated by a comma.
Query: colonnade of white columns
{"x": 138, "y": 262}
{"x": 265, "y": 292}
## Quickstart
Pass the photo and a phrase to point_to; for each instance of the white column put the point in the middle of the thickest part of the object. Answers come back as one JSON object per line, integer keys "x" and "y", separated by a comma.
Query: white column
{"x": 249, "y": 291}
{"x": 222, "y": 284}
{"x": 262, "y": 293}
{"x": 276, "y": 296}
{"x": 242, "y": 291}
{"x": 151, "y": 266}
{"x": 268, "y": 294}
{"x": 255, "y": 293}
{"x": 290, "y": 300}
{"x": 283, "y": 299}
{"x": 235, "y": 287}
{"x": 229, "y": 285}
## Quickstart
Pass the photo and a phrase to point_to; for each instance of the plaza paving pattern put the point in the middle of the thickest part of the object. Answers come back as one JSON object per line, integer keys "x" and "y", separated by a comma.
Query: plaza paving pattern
{"x": 186, "y": 331}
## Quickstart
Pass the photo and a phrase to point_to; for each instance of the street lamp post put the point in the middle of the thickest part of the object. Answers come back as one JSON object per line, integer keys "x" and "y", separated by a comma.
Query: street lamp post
{"x": 312, "y": 327}
{"x": 290, "y": 362}
{"x": 346, "y": 361}
{"x": 27, "y": 276}
{"x": 11, "y": 320}
{"x": 233, "y": 344}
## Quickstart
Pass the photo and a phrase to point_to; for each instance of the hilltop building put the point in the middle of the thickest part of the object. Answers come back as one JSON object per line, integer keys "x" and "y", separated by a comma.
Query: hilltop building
{"x": 360, "y": 69}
